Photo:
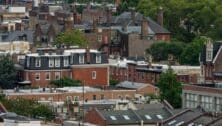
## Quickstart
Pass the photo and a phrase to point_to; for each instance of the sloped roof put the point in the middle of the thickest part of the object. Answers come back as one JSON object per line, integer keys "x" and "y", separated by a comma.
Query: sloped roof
{"x": 125, "y": 18}
{"x": 131, "y": 85}
{"x": 14, "y": 36}
{"x": 216, "y": 47}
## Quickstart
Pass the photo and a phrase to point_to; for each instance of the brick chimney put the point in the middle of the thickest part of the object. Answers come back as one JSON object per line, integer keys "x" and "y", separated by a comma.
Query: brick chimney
{"x": 108, "y": 14}
{"x": 133, "y": 15}
{"x": 88, "y": 55}
{"x": 95, "y": 23}
{"x": 160, "y": 16}
{"x": 117, "y": 3}
{"x": 144, "y": 28}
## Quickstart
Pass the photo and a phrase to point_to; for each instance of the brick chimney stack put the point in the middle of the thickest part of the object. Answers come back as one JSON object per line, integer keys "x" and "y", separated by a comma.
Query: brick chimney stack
{"x": 88, "y": 55}
{"x": 133, "y": 15}
{"x": 108, "y": 20}
{"x": 160, "y": 16}
{"x": 95, "y": 23}
{"x": 144, "y": 28}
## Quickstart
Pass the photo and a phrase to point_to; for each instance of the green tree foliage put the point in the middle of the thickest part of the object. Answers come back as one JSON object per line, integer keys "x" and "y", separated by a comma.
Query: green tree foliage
{"x": 126, "y": 5}
{"x": 71, "y": 38}
{"x": 170, "y": 88}
{"x": 191, "y": 52}
{"x": 187, "y": 19}
{"x": 30, "y": 108}
{"x": 113, "y": 82}
{"x": 66, "y": 82}
{"x": 7, "y": 72}
{"x": 161, "y": 50}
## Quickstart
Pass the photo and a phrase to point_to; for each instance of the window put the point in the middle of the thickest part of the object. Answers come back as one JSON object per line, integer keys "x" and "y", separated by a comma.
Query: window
{"x": 98, "y": 58}
{"x": 57, "y": 62}
{"x": 148, "y": 117}
{"x": 207, "y": 102}
{"x": 191, "y": 100}
{"x": 219, "y": 104}
{"x": 126, "y": 117}
{"x": 28, "y": 61}
{"x": 94, "y": 97}
{"x": 159, "y": 116}
{"x": 66, "y": 61}
{"x": 37, "y": 62}
{"x": 113, "y": 117}
{"x": 99, "y": 38}
{"x": 102, "y": 96}
{"x": 94, "y": 75}
{"x": 209, "y": 55}
{"x": 81, "y": 59}
{"x": 51, "y": 62}
{"x": 57, "y": 75}
{"x": 37, "y": 76}
{"x": 47, "y": 75}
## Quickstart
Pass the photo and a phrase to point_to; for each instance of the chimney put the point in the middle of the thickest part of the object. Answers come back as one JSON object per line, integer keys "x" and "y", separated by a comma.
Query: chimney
{"x": 117, "y": 3}
{"x": 108, "y": 20}
{"x": 95, "y": 22}
{"x": 133, "y": 15}
{"x": 144, "y": 28}
{"x": 88, "y": 55}
{"x": 160, "y": 16}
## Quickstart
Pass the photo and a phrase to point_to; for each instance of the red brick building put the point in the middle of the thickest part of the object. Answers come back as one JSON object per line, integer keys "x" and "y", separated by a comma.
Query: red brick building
{"x": 88, "y": 66}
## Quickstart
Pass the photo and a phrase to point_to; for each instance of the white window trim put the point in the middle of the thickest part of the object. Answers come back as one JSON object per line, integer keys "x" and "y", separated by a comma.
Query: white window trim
{"x": 46, "y": 76}
{"x": 57, "y": 62}
{"x": 66, "y": 61}
{"x": 38, "y": 61}
{"x": 81, "y": 59}
{"x": 93, "y": 74}
{"x": 57, "y": 73}
{"x": 99, "y": 38}
{"x": 37, "y": 74}
{"x": 51, "y": 61}
{"x": 98, "y": 59}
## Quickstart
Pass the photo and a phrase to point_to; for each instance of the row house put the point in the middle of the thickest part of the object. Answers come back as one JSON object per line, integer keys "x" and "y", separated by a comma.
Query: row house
{"x": 149, "y": 73}
{"x": 210, "y": 61}
{"x": 87, "y": 65}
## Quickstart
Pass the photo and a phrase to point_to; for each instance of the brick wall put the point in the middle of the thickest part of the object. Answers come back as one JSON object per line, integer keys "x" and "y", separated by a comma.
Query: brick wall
{"x": 163, "y": 37}
{"x": 108, "y": 94}
{"x": 94, "y": 117}
{"x": 42, "y": 82}
{"x": 85, "y": 74}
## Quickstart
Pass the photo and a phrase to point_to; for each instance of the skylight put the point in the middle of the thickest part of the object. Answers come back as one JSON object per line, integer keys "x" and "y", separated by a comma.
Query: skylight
{"x": 126, "y": 117}
{"x": 148, "y": 117}
{"x": 180, "y": 123}
{"x": 159, "y": 117}
{"x": 172, "y": 122}
{"x": 113, "y": 117}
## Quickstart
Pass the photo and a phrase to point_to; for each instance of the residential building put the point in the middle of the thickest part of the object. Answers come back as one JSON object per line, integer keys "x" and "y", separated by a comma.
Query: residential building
{"x": 210, "y": 61}
{"x": 208, "y": 96}
{"x": 140, "y": 71}
{"x": 87, "y": 65}
{"x": 141, "y": 117}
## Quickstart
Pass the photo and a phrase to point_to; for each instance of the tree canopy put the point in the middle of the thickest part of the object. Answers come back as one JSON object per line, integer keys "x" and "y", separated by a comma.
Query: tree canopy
{"x": 185, "y": 19}
{"x": 7, "y": 72}
{"x": 170, "y": 88}
{"x": 66, "y": 82}
{"x": 71, "y": 38}
{"x": 30, "y": 108}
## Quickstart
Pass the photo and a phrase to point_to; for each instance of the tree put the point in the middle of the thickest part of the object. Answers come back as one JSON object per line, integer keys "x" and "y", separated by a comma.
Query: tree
{"x": 161, "y": 50}
{"x": 190, "y": 55}
{"x": 71, "y": 38}
{"x": 7, "y": 72}
{"x": 113, "y": 82}
{"x": 66, "y": 82}
{"x": 30, "y": 108}
{"x": 170, "y": 88}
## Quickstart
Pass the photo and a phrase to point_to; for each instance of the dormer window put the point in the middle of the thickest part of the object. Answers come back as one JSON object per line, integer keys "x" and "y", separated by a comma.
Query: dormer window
{"x": 51, "y": 62}
{"x": 98, "y": 58}
{"x": 66, "y": 61}
{"x": 209, "y": 52}
{"x": 209, "y": 55}
{"x": 37, "y": 62}
{"x": 81, "y": 59}
{"x": 57, "y": 62}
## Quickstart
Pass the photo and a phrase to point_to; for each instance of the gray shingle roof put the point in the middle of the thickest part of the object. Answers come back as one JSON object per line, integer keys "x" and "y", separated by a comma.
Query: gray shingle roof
{"x": 125, "y": 18}
{"x": 14, "y": 36}
{"x": 149, "y": 116}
